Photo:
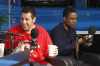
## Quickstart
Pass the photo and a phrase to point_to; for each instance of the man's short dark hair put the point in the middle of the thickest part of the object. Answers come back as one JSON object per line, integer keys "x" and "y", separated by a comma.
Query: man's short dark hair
{"x": 29, "y": 9}
{"x": 68, "y": 10}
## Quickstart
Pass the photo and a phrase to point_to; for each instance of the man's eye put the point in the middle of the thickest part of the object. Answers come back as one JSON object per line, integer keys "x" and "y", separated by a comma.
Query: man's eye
{"x": 72, "y": 18}
{"x": 27, "y": 19}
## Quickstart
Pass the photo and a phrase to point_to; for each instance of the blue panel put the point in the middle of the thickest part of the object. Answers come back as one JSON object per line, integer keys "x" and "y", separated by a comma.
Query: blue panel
{"x": 49, "y": 17}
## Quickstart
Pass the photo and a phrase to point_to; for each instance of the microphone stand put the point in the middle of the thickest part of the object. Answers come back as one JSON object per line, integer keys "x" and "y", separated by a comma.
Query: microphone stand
{"x": 11, "y": 39}
{"x": 34, "y": 45}
{"x": 77, "y": 51}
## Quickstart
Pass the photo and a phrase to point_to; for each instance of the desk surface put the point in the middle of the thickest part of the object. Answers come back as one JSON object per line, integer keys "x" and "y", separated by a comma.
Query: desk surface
{"x": 15, "y": 58}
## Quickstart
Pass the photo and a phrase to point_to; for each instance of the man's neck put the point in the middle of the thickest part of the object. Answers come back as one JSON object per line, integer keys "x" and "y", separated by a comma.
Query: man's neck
{"x": 66, "y": 28}
{"x": 29, "y": 31}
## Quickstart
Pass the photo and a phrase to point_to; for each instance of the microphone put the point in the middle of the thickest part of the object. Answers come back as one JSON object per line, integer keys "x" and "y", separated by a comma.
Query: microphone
{"x": 89, "y": 37}
{"x": 34, "y": 35}
{"x": 92, "y": 30}
{"x": 2, "y": 32}
{"x": 14, "y": 34}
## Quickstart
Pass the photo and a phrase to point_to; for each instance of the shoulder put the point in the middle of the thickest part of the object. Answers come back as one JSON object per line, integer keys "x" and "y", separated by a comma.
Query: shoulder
{"x": 58, "y": 31}
{"x": 58, "y": 28}
{"x": 42, "y": 32}
{"x": 41, "y": 29}
{"x": 15, "y": 28}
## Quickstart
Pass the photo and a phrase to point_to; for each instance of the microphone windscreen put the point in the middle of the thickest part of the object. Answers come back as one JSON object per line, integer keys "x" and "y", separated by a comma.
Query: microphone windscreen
{"x": 34, "y": 33}
{"x": 92, "y": 30}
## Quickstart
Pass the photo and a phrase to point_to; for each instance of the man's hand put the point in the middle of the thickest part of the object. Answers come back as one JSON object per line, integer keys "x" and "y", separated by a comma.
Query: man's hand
{"x": 80, "y": 41}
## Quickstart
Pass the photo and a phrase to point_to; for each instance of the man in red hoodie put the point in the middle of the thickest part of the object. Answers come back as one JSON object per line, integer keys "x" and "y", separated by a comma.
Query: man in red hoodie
{"x": 28, "y": 17}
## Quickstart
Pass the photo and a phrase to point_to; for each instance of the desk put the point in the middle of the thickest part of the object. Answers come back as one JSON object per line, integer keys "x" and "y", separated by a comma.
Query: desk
{"x": 15, "y": 58}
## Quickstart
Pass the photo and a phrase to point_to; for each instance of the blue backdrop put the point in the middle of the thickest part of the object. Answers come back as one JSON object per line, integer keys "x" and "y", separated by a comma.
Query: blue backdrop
{"x": 49, "y": 17}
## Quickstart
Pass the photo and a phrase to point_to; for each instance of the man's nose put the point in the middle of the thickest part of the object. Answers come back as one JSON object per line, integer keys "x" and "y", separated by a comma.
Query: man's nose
{"x": 75, "y": 20}
{"x": 24, "y": 21}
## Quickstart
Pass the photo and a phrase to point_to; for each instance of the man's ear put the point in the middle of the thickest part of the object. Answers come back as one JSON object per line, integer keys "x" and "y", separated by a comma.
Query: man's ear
{"x": 34, "y": 19}
{"x": 64, "y": 18}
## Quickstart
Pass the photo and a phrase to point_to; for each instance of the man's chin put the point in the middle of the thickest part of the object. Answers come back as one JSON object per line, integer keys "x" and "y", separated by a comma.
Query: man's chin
{"x": 25, "y": 29}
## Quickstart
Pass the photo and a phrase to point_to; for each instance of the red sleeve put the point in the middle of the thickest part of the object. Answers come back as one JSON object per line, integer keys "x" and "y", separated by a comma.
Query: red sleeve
{"x": 48, "y": 41}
